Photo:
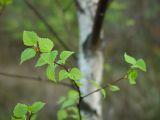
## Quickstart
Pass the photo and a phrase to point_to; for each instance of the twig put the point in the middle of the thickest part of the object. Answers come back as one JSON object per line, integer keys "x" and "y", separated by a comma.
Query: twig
{"x": 50, "y": 29}
{"x": 32, "y": 78}
{"x": 104, "y": 87}
{"x": 80, "y": 100}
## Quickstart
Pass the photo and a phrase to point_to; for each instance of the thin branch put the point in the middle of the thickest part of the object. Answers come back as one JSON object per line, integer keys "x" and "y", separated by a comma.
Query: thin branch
{"x": 31, "y": 78}
{"x": 104, "y": 87}
{"x": 50, "y": 29}
{"x": 80, "y": 100}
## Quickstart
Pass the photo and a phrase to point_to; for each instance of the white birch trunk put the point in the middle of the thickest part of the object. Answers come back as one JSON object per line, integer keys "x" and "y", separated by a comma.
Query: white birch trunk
{"x": 90, "y": 63}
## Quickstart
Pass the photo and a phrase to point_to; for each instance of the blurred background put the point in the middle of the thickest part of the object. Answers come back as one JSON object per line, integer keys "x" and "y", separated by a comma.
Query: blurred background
{"x": 130, "y": 25}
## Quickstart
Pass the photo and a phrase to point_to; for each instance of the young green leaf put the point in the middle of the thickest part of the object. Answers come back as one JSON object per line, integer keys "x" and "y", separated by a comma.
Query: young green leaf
{"x": 114, "y": 88}
{"x": 47, "y": 58}
{"x": 37, "y": 106}
{"x": 64, "y": 56}
{"x": 75, "y": 74}
{"x": 51, "y": 72}
{"x": 140, "y": 64}
{"x": 72, "y": 94}
{"x": 45, "y": 44}
{"x": 62, "y": 115}
{"x": 34, "y": 117}
{"x": 67, "y": 103}
{"x": 63, "y": 74}
{"x": 27, "y": 54}
{"x": 20, "y": 110}
{"x": 44, "y": 58}
{"x": 29, "y": 38}
{"x": 132, "y": 76}
{"x": 129, "y": 59}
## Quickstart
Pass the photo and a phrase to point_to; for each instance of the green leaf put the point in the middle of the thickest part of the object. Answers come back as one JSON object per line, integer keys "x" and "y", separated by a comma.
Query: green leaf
{"x": 75, "y": 74}
{"x": 20, "y": 110}
{"x": 45, "y": 44}
{"x": 51, "y": 72}
{"x": 68, "y": 103}
{"x": 129, "y": 59}
{"x": 47, "y": 58}
{"x": 72, "y": 94}
{"x": 132, "y": 76}
{"x": 34, "y": 117}
{"x": 63, "y": 74}
{"x": 29, "y": 38}
{"x": 37, "y": 106}
{"x": 20, "y": 118}
{"x": 114, "y": 88}
{"x": 64, "y": 56}
{"x": 141, "y": 65}
{"x": 27, "y": 54}
{"x": 62, "y": 115}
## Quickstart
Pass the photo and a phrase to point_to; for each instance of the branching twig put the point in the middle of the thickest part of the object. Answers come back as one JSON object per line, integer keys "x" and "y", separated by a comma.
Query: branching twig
{"x": 50, "y": 29}
{"x": 104, "y": 87}
{"x": 31, "y": 78}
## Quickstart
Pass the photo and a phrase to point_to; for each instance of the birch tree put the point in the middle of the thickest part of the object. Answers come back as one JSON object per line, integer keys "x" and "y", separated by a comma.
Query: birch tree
{"x": 90, "y": 17}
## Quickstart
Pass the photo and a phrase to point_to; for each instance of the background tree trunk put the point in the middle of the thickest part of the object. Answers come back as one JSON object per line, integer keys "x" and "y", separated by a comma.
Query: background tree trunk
{"x": 90, "y": 16}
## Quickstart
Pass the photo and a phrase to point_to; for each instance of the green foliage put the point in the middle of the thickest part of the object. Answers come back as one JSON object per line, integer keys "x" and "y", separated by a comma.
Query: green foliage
{"x": 140, "y": 64}
{"x": 29, "y": 38}
{"x": 63, "y": 74}
{"x": 135, "y": 64}
{"x": 36, "y": 107}
{"x": 75, "y": 74}
{"x": 27, "y": 54}
{"x": 51, "y": 72}
{"x": 132, "y": 76}
{"x": 129, "y": 59}
{"x": 68, "y": 106}
{"x": 62, "y": 114}
{"x": 64, "y": 56}
{"x": 114, "y": 88}
{"x": 47, "y": 58}
{"x": 45, "y": 44}
{"x": 22, "y": 111}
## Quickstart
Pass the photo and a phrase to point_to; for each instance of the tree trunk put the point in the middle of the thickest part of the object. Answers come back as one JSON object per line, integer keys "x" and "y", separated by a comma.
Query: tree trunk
{"x": 90, "y": 17}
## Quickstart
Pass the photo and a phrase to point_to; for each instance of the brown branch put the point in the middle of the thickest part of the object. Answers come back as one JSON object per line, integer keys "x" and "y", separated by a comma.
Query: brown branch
{"x": 31, "y": 78}
{"x": 104, "y": 87}
{"x": 50, "y": 29}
